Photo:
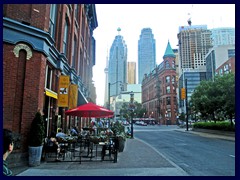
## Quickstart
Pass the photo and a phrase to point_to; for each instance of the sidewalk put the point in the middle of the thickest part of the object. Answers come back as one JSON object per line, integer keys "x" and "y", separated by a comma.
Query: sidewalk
{"x": 137, "y": 159}
{"x": 230, "y": 136}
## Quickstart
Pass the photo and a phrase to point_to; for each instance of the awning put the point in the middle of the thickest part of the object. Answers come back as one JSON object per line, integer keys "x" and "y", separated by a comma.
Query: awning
{"x": 51, "y": 93}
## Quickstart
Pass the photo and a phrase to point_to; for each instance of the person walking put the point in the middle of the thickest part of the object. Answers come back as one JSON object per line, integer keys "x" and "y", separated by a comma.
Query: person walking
{"x": 7, "y": 149}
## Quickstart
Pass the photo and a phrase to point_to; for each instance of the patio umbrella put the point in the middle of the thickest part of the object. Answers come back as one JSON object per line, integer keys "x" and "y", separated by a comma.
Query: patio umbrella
{"x": 90, "y": 110}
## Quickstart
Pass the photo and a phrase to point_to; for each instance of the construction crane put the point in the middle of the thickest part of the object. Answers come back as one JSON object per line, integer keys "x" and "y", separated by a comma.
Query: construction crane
{"x": 190, "y": 17}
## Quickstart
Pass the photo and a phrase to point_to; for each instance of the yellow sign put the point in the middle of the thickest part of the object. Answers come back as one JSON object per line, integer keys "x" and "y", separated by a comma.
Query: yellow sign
{"x": 63, "y": 91}
{"x": 73, "y": 96}
{"x": 51, "y": 93}
{"x": 183, "y": 93}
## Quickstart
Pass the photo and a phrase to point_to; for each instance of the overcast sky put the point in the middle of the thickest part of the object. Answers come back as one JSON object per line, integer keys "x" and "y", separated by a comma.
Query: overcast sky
{"x": 163, "y": 19}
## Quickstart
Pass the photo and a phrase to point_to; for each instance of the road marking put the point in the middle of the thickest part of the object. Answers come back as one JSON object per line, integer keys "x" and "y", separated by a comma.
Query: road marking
{"x": 232, "y": 156}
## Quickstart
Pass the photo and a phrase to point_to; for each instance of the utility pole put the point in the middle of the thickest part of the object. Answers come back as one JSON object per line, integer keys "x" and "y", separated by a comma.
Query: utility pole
{"x": 186, "y": 104}
{"x": 131, "y": 109}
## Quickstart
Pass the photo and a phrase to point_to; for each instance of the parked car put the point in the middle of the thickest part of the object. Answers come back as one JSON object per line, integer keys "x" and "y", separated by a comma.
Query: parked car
{"x": 141, "y": 123}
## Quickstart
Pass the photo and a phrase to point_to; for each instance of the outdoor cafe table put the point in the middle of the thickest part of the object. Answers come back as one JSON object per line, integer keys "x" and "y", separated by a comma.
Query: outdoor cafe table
{"x": 82, "y": 148}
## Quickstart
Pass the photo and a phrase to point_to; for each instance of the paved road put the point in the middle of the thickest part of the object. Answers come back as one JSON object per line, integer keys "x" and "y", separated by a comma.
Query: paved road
{"x": 198, "y": 155}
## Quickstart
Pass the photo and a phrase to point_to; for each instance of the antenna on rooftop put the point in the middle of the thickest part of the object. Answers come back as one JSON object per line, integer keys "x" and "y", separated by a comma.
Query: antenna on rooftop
{"x": 190, "y": 17}
{"x": 119, "y": 29}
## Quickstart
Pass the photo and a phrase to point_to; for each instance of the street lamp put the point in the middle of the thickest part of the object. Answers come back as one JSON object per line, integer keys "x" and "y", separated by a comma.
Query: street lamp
{"x": 131, "y": 109}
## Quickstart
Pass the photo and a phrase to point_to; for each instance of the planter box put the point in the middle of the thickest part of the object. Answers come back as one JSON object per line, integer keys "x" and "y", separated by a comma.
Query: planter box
{"x": 35, "y": 154}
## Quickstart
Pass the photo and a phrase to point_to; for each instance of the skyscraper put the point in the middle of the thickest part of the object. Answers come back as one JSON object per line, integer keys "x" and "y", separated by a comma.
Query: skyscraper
{"x": 131, "y": 72}
{"x": 146, "y": 53}
{"x": 194, "y": 43}
{"x": 223, "y": 36}
{"x": 117, "y": 69}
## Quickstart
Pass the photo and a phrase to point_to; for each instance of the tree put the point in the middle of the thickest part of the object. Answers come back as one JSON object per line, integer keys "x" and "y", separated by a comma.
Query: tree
{"x": 226, "y": 85}
{"x": 215, "y": 97}
{"x": 138, "y": 110}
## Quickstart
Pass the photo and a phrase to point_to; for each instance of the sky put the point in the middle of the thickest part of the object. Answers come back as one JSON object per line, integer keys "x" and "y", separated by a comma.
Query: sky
{"x": 163, "y": 19}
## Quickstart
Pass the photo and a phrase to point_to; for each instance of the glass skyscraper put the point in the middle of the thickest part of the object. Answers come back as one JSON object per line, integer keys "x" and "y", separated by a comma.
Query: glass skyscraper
{"x": 146, "y": 53}
{"x": 117, "y": 69}
{"x": 223, "y": 36}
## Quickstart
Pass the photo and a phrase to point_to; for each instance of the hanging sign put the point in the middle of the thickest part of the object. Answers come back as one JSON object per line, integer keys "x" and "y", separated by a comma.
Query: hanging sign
{"x": 63, "y": 91}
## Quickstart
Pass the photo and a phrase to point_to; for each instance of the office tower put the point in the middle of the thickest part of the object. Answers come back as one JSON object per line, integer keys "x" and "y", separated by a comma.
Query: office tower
{"x": 146, "y": 53}
{"x": 131, "y": 72}
{"x": 117, "y": 69}
{"x": 194, "y": 43}
{"x": 223, "y": 36}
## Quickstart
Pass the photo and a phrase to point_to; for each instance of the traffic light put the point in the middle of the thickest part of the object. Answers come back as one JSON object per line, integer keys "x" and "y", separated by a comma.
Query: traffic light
{"x": 183, "y": 93}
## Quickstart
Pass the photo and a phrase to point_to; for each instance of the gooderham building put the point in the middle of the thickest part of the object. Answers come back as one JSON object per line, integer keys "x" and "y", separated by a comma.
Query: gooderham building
{"x": 159, "y": 90}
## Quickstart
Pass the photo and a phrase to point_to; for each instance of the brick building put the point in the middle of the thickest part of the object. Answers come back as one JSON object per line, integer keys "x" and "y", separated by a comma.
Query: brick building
{"x": 41, "y": 42}
{"x": 226, "y": 67}
{"x": 159, "y": 95}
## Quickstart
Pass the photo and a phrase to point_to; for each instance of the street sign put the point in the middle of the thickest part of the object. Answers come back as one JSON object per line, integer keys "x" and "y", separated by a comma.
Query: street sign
{"x": 183, "y": 93}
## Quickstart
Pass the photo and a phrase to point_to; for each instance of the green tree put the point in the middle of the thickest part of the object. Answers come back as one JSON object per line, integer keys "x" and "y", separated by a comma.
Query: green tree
{"x": 215, "y": 97}
{"x": 226, "y": 85}
{"x": 138, "y": 110}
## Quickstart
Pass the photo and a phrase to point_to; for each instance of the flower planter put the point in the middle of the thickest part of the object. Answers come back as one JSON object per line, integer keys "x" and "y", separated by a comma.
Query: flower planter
{"x": 121, "y": 144}
{"x": 35, "y": 154}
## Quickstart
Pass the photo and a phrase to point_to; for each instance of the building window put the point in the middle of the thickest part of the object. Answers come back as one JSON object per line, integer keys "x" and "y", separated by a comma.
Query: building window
{"x": 65, "y": 39}
{"x": 167, "y": 79}
{"x": 220, "y": 71}
{"x": 168, "y": 90}
{"x": 173, "y": 79}
{"x": 168, "y": 100}
{"x": 52, "y": 23}
{"x": 231, "y": 53}
{"x": 74, "y": 52}
{"x": 48, "y": 78}
{"x": 173, "y": 64}
{"x": 167, "y": 64}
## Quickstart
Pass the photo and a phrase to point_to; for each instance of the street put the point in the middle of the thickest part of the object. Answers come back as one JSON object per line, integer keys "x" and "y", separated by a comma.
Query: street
{"x": 196, "y": 155}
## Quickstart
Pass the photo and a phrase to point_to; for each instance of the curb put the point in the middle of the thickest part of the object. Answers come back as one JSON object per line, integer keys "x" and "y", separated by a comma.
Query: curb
{"x": 230, "y": 136}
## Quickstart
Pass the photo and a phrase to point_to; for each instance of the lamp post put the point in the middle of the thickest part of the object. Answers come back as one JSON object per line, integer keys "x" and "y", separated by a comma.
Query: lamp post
{"x": 186, "y": 105}
{"x": 131, "y": 109}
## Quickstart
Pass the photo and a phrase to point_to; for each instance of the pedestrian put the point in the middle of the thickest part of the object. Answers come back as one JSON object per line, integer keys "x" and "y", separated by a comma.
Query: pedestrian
{"x": 60, "y": 134}
{"x": 53, "y": 146}
{"x": 73, "y": 131}
{"x": 7, "y": 149}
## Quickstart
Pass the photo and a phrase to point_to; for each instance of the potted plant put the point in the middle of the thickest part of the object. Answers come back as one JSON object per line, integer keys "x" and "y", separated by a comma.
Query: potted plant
{"x": 119, "y": 132}
{"x": 36, "y": 139}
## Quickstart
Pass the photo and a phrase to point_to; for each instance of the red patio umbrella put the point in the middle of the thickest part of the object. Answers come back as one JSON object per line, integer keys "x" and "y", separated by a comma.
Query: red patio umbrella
{"x": 90, "y": 110}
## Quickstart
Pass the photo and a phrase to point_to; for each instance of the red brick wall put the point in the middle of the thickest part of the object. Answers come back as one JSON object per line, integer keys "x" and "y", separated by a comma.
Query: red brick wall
{"x": 33, "y": 14}
{"x": 23, "y": 90}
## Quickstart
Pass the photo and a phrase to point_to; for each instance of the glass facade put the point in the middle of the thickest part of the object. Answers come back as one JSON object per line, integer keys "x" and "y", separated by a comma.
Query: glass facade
{"x": 193, "y": 80}
{"x": 117, "y": 69}
{"x": 146, "y": 53}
